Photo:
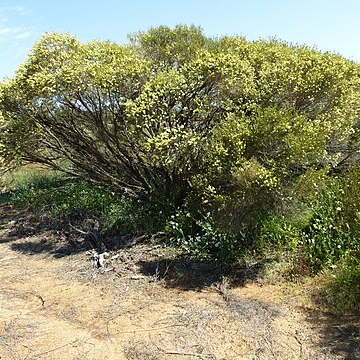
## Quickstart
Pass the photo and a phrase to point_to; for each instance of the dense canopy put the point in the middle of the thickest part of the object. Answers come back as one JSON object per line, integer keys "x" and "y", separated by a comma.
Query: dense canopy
{"x": 173, "y": 110}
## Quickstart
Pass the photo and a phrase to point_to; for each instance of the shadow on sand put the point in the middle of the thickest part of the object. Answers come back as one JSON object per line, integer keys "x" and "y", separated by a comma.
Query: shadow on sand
{"x": 340, "y": 335}
{"x": 191, "y": 274}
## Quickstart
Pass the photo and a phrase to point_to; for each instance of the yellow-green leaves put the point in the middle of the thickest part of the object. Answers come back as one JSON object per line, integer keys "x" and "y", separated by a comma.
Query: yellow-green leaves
{"x": 59, "y": 63}
{"x": 167, "y": 47}
{"x": 174, "y": 149}
{"x": 174, "y": 106}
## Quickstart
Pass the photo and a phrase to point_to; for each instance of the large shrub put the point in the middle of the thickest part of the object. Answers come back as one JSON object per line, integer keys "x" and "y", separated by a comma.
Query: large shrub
{"x": 228, "y": 128}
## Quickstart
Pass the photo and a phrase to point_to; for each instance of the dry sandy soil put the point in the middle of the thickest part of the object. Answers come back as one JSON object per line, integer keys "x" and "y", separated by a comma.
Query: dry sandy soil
{"x": 145, "y": 303}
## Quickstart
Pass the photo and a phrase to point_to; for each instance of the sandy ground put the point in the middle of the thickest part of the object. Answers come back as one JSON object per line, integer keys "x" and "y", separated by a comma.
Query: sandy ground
{"x": 147, "y": 304}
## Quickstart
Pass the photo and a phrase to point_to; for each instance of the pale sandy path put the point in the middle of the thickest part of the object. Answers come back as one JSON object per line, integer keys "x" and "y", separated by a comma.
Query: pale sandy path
{"x": 59, "y": 307}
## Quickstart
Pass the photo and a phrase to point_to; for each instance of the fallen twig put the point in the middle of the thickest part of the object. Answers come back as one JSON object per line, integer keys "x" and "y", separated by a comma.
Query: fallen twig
{"x": 9, "y": 258}
{"x": 41, "y": 299}
{"x": 25, "y": 292}
{"x": 148, "y": 329}
{"x": 137, "y": 277}
{"x": 173, "y": 352}
{"x": 36, "y": 356}
{"x": 300, "y": 343}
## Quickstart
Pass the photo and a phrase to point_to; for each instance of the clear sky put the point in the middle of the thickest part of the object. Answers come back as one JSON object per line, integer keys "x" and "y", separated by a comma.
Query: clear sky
{"x": 330, "y": 25}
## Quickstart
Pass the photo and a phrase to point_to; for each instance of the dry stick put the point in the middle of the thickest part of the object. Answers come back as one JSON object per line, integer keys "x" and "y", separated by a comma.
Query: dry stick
{"x": 300, "y": 343}
{"x": 187, "y": 354}
{"x": 9, "y": 258}
{"x": 40, "y": 298}
{"x": 148, "y": 329}
{"x": 78, "y": 340}
{"x": 54, "y": 349}
{"x": 26, "y": 292}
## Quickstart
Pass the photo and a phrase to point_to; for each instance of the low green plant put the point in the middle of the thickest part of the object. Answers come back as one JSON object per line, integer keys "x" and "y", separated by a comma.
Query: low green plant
{"x": 43, "y": 190}
{"x": 277, "y": 234}
{"x": 317, "y": 230}
{"x": 200, "y": 236}
{"x": 324, "y": 240}
{"x": 342, "y": 288}
{"x": 64, "y": 197}
{"x": 148, "y": 214}
{"x": 24, "y": 176}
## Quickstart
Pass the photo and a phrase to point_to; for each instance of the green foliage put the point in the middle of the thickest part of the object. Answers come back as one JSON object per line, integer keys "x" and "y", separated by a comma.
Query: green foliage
{"x": 324, "y": 240}
{"x": 277, "y": 234}
{"x": 342, "y": 288}
{"x": 40, "y": 190}
{"x": 148, "y": 215}
{"x": 61, "y": 196}
{"x": 151, "y": 116}
{"x": 351, "y": 203}
{"x": 262, "y": 137}
{"x": 24, "y": 176}
{"x": 333, "y": 231}
{"x": 169, "y": 47}
{"x": 201, "y": 237}
{"x": 318, "y": 230}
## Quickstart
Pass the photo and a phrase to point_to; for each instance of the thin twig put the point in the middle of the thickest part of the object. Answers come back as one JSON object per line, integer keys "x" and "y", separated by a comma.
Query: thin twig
{"x": 9, "y": 258}
{"x": 148, "y": 329}
{"x": 108, "y": 322}
{"x": 41, "y": 299}
{"x": 300, "y": 343}
{"x": 36, "y": 356}
{"x": 171, "y": 352}
{"x": 25, "y": 292}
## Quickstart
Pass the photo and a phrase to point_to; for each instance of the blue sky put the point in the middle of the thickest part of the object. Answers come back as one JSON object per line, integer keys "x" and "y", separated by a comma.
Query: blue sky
{"x": 330, "y": 25}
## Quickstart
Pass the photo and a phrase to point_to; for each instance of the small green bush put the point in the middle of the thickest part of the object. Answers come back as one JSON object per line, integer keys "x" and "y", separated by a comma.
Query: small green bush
{"x": 343, "y": 287}
{"x": 41, "y": 190}
{"x": 64, "y": 197}
{"x": 145, "y": 215}
{"x": 318, "y": 230}
{"x": 200, "y": 236}
{"x": 324, "y": 240}
{"x": 277, "y": 234}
